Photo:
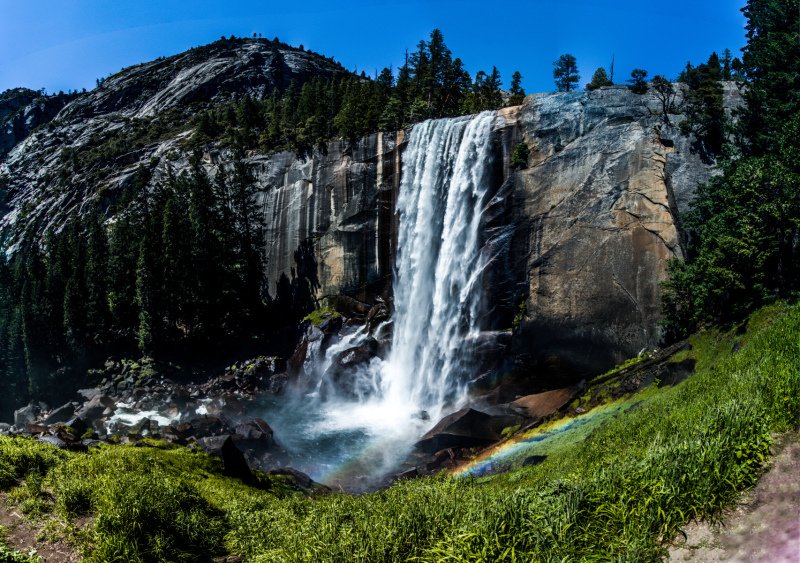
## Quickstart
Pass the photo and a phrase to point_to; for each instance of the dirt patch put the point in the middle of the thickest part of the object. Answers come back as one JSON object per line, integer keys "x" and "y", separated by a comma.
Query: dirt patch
{"x": 22, "y": 536}
{"x": 763, "y": 527}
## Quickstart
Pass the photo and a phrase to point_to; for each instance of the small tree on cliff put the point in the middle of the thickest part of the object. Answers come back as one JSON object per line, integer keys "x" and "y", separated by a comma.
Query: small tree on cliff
{"x": 666, "y": 93}
{"x": 637, "y": 83}
{"x": 599, "y": 79}
{"x": 565, "y": 73}
{"x": 516, "y": 90}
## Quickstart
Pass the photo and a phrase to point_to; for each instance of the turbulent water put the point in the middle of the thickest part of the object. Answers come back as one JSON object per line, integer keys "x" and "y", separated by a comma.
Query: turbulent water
{"x": 437, "y": 300}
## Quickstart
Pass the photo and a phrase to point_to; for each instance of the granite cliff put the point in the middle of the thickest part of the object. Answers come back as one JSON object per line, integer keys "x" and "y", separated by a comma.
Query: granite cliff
{"x": 579, "y": 238}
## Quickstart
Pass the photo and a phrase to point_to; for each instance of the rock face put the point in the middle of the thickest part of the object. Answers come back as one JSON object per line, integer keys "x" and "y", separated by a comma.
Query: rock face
{"x": 330, "y": 217}
{"x": 579, "y": 239}
{"x": 597, "y": 217}
{"x": 22, "y": 111}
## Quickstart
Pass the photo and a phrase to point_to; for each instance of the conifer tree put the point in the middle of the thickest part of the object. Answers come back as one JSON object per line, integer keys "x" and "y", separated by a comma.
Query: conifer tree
{"x": 517, "y": 93}
{"x": 565, "y": 73}
{"x": 599, "y": 79}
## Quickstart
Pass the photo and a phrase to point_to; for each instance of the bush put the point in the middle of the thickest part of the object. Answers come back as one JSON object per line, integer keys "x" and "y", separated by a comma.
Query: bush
{"x": 520, "y": 155}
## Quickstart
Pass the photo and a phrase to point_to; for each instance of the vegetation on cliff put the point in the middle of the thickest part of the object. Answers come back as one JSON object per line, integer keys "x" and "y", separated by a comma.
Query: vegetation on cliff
{"x": 743, "y": 233}
{"x": 177, "y": 271}
{"x": 431, "y": 83}
{"x": 178, "y": 274}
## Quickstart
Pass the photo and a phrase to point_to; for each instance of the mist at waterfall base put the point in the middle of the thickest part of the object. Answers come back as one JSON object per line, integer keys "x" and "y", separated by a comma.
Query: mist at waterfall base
{"x": 356, "y": 443}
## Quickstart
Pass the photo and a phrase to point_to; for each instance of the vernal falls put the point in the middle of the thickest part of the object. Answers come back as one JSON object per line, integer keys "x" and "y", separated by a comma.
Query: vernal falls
{"x": 356, "y": 432}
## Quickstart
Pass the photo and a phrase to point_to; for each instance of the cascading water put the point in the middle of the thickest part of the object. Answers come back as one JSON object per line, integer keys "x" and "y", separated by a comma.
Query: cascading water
{"x": 446, "y": 178}
{"x": 437, "y": 297}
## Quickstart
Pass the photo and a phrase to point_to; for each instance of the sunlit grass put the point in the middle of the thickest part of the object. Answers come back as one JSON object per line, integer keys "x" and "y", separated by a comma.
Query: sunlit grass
{"x": 609, "y": 492}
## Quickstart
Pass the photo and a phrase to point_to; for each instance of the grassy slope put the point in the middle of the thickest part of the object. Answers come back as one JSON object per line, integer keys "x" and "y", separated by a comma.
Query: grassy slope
{"x": 615, "y": 493}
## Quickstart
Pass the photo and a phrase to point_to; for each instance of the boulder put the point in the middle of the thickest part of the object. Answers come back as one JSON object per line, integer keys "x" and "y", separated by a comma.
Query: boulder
{"x": 61, "y": 414}
{"x": 232, "y": 458}
{"x": 26, "y": 415}
{"x": 77, "y": 424}
{"x": 466, "y": 428}
{"x": 331, "y": 325}
{"x": 53, "y": 441}
{"x": 201, "y": 426}
{"x": 95, "y": 407}
{"x": 377, "y": 314}
{"x": 256, "y": 430}
{"x": 541, "y": 405}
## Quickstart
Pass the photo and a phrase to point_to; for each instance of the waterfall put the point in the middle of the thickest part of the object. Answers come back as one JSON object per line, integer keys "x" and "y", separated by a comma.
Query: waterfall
{"x": 445, "y": 189}
{"x": 446, "y": 178}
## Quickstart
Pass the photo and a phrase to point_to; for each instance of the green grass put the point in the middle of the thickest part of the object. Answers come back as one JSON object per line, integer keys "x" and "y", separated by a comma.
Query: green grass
{"x": 616, "y": 491}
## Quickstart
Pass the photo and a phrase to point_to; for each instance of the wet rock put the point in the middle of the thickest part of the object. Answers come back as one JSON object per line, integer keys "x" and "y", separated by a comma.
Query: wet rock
{"x": 89, "y": 394}
{"x": 442, "y": 458}
{"x": 331, "y": 325}
{"x": 201, "y": 426}
{"x": 377, "y": 314}
{"x": 254, "y": 430}
{"x": 412, "y": 473}
{"x": 344, "y": 372}
{"x": 233, "y": 459}
{"x": 77, "y": 424}
{"x": 95, "y": 407}
{"x": 465, "y": 428}
{"x": 490, "y": 348}
{"x": 541, "y": 405}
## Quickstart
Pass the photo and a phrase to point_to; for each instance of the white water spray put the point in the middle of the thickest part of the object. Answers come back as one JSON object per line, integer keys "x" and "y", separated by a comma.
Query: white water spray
{"x": 445, "y": 187}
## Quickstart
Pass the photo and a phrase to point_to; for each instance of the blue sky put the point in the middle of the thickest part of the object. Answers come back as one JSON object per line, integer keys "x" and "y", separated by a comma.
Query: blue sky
{"x": 67, "y": 44}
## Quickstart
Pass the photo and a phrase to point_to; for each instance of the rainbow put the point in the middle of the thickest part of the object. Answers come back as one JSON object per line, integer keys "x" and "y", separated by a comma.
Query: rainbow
{"x": 528, "y": 447}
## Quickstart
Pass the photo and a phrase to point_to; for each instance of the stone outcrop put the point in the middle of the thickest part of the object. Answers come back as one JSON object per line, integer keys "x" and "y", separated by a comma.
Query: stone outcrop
{"x": 597, "y": 217}
{"x": 22, "y": 111}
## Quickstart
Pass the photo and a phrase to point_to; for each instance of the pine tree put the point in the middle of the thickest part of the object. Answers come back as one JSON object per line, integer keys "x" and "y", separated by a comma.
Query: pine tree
{"x": 599, "y": 79}
{"x": 97, "y": 267}
{"x": 771, "y": 65}
{"x": 565, "y": 73}
{"x": 517, "y": 93}
{"x": 704, "y": 109}
{"x": 638, "y": 81}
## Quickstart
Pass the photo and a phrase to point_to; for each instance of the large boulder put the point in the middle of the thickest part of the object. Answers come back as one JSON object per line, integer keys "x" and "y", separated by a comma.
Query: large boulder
{"x": 95, "y": 408}
{"x": 61, "y": 414}
{"x": 256, "y": 430}
{"x": 541, "y": 405}
{"x": 233, "y": 459}
{"x": 466, "y": 428}
{"x": 26, "y": 415}
{"x": 202, "y": 426}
